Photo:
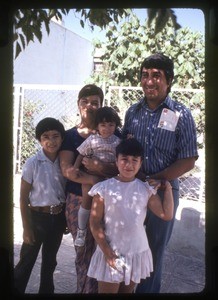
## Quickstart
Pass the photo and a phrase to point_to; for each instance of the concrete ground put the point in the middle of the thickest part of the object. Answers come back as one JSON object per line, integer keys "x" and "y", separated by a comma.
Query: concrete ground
{"x": 184, "y": 263}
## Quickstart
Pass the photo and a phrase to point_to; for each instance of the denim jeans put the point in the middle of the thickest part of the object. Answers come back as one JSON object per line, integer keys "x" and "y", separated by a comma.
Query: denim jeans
{"x": 48, "y": 230}
{"x": 158, "y": 233}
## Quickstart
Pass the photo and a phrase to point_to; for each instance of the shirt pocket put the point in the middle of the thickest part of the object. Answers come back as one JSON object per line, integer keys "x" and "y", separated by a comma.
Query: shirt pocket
{"x": 165, "y": 140}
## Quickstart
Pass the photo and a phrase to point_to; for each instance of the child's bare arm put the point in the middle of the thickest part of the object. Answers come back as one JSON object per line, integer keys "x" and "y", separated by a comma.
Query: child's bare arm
{"x": 163, "y": 210}
{"x": 28, "y": 236}
{"x": 96, "y": 217}
{"x": 95, "y": 166}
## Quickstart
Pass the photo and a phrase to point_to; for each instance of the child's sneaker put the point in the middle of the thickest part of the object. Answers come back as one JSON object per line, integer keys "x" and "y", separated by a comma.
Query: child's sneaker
{"x": 80, "y": 237}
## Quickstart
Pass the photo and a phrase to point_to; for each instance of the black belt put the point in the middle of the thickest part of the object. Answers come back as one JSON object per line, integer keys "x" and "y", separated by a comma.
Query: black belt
{"x": 52, "y": 210}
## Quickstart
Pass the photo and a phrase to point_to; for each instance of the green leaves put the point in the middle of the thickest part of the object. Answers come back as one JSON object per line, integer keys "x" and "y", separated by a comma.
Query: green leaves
{"x": 129, "y": 43}
{"x": 28, "y": 22}
{"x": 28, "y": 25}
{"x": 161, "y": 17}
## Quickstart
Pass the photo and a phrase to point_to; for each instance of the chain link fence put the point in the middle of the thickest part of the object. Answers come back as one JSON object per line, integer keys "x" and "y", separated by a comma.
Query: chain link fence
{"x": 32, "y": 103}
{"x": 35, "y": 102}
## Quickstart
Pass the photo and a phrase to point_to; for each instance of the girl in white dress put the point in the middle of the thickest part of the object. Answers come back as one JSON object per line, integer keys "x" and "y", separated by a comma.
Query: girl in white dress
{"x": 123, "y": 257}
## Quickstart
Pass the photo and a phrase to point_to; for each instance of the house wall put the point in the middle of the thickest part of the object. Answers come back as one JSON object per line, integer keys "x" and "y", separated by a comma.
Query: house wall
{"x": 63, "y": 57}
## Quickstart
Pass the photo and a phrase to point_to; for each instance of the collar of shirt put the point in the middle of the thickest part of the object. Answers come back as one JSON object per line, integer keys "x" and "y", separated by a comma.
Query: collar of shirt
{"x": 41, "y": 156}
{"x": 167, "y": 103}
{"x": 109, "y": 139}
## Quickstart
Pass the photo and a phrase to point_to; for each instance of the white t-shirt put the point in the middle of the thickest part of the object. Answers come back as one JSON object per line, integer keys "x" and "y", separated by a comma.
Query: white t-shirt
{"x": 48, "y": 183}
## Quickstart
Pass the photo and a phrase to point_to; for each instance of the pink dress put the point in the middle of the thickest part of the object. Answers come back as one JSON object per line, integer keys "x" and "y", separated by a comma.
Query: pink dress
{"x": 125, "y": 207}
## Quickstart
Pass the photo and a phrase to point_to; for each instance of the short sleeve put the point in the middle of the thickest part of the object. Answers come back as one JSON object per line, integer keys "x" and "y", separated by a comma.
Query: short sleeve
{"x": 98, "y": 188}
{"x": 151, "y": 190}
{"x": 27, "y": 170}
{"x": 83, "y": 149}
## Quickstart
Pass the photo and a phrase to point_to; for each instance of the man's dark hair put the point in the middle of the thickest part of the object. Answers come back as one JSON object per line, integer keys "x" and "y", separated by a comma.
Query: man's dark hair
{"x": 48, "y": 124}
{"x": 130, "y": 147}
{"x": 159, "y": 61}
{"x": 107, "y": 114}
{"x": 90, "y": 90}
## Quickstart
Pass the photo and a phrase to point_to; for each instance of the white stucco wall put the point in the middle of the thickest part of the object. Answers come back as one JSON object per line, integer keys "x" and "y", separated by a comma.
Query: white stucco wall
{"x": 63, "y": 57}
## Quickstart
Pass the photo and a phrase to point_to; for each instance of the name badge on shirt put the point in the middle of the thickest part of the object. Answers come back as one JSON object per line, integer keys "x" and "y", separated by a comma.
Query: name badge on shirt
{"x": 168, "y": 119}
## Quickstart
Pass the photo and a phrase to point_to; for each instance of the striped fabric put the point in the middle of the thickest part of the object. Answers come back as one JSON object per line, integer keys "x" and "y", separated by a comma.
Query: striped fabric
{"x": 161, "y": 147}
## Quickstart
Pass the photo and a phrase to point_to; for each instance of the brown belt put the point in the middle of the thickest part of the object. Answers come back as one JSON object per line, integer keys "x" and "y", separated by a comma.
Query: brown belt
{"x": 52, "y": 210}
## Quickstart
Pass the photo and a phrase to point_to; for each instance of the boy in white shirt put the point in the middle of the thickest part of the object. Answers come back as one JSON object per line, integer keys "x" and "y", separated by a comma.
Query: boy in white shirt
{"x": 42, "y": 205}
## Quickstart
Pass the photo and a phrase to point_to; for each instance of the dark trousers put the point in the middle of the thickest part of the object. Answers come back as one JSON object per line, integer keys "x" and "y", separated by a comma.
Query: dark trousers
{"x": 48, "y": 230}
{"x": 158, "y": 232}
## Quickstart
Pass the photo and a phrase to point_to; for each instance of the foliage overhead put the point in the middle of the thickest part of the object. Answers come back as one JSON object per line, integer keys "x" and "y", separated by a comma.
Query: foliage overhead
{"x": 126, "y": 45}
{"x": 162, "y": 16}
{"x": 28, "y": 25}
{"x": 28, "y": 22}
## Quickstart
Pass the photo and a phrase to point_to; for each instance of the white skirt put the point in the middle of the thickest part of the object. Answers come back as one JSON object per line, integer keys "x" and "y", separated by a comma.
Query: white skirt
{"x": 137, "y": 266}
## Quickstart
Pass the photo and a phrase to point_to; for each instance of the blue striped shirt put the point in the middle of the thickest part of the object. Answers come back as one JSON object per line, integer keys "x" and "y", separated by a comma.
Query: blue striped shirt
{"x": 161, "y": 147}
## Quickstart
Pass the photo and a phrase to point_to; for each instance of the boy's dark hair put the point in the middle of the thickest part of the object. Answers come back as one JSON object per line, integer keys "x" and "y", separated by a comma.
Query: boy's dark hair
{"x": 130, "y": 147}
{"x": 47, "y": 124}
{"x": 107, "y": 114}
{"x": 159, "y": 61}
{"x": 90, "y": 90}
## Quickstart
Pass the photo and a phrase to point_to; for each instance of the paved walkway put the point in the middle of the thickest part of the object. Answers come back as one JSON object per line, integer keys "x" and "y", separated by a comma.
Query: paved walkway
{"x": 184, "y": 264}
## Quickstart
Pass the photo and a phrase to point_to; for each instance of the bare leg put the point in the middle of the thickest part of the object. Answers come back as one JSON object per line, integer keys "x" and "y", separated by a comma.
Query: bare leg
{"x": 115, "y": 288}
{"x": 108, "y": 287}
{"x": 86, "y": 199}
{"x": 127, "y": 288}
{"x": 84, "y": 213}
{"x": 85, "y": 208}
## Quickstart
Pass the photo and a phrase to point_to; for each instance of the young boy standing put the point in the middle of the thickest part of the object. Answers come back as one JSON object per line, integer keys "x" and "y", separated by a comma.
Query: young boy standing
{"x": 42, "y": 205}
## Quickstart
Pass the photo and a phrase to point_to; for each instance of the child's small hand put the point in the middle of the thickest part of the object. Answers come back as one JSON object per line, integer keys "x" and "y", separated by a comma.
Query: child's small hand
{"x": 28, "y": 236}
{"x": 165, "y": 185}
{"x": 73, "y": 173}
{"x": 159, "y": 184}
{"x": 111, "y": 259}
{"x": 156, "y": 183}
{"x": 129, "y": 136}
